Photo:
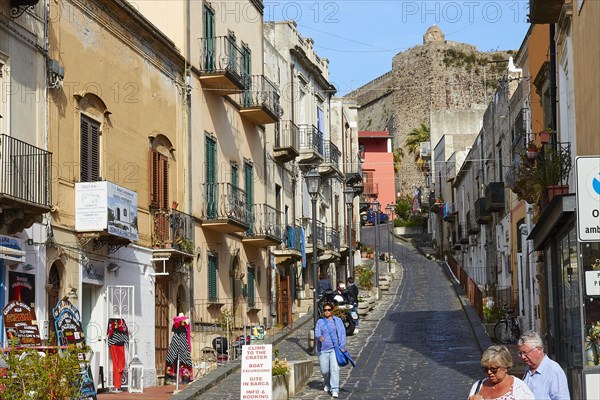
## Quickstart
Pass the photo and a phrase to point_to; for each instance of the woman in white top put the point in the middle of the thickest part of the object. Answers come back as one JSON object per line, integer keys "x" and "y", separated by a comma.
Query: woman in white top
{"x": 496, "y": 361}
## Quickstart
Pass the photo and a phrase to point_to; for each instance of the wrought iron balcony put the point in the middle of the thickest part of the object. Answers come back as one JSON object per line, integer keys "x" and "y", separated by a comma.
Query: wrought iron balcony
{"x": 332, "y": 239}
{"x": 307, "y": 223}
{"x": 331, "y": 160}
{"x": 354, "y": 174}
{"x": 265, "y": 229}
{"x": 494, "y": 196}
{"x": 260, "y": 101}
{"x": 221, "y": 66}
{"x": 482, "y": 215}
{"x": 25, "y": 172}
{"x": 291, "y": 249}
{"x": 173, "y": 230}
{"x": 225, "y": 208}
{"x": 472, "y": 224}
{"x": 311, "y": 144}
{"x": 287, "y": 139}
{"x": 463, "y": 237}
{"x": 425, "y": 150}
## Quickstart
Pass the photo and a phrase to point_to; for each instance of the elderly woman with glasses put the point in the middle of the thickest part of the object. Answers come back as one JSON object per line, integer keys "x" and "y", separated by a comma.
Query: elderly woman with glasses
{"x": 496, "y": 361}
{"x": 330, "y": 330}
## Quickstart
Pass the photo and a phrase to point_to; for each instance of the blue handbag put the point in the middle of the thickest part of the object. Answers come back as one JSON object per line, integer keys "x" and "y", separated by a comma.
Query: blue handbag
{"x": 342, "y": 357}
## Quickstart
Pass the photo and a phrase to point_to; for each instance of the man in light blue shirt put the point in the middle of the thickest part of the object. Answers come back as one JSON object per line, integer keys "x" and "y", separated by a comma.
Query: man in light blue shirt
{"x": 544, "y": 377}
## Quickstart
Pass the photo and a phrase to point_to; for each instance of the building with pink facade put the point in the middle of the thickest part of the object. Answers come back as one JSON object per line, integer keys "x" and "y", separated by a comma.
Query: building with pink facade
{"x": 378, "y": 168}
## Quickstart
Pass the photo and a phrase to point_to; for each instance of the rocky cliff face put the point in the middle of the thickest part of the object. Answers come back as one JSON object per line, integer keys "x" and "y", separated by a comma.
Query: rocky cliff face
{"x": 437, "y": 75}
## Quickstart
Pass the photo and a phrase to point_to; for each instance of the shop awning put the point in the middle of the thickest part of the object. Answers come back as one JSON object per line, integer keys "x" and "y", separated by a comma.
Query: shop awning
{"x": 556, "y": 215}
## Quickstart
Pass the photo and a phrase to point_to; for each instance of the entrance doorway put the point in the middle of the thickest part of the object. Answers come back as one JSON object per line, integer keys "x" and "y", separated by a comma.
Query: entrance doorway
{"x": 162, "y": 323}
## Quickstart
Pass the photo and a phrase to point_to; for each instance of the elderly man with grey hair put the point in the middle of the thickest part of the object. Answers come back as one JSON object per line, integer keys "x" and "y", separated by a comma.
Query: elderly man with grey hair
{"x": 545, "y": 377}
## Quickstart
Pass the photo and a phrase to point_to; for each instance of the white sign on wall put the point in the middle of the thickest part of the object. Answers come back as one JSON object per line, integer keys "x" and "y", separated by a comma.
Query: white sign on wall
{"x": 257, "y": 382}
{"x": 103, "y": 206}
{"x": 587, "y": 173}
{"x": 592, "y": 283}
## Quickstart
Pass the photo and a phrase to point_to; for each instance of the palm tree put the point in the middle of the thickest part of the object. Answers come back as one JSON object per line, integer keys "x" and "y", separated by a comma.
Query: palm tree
{"x": 415, "y": 137}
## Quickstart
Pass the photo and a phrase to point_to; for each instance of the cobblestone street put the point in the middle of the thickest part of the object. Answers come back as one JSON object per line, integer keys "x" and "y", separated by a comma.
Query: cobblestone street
{"x": 417, "y": 343}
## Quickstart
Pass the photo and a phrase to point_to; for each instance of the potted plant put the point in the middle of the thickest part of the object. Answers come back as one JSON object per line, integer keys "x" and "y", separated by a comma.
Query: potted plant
{"x": 542, "y": 178}
{"x": 532, "y": 150}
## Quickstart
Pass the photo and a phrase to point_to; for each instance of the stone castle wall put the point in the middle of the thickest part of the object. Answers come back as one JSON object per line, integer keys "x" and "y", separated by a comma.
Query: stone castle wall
{"x": 438, "y": 75}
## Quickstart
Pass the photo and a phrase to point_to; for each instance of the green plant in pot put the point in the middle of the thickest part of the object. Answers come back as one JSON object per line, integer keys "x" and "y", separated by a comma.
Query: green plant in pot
{"x": 531, "y": 178}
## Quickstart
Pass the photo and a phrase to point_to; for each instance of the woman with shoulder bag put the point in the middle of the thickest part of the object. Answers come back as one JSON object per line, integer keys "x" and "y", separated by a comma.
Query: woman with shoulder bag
{"x": 325, "y": 346}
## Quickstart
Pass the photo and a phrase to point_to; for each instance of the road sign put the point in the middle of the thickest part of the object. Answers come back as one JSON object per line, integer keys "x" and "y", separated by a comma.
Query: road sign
{"x": 587, "y": 173}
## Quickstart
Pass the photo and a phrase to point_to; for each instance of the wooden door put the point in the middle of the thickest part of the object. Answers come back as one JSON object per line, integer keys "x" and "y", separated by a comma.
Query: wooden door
{"x": 162, "y": 325}
{"x": 284, "y": 302}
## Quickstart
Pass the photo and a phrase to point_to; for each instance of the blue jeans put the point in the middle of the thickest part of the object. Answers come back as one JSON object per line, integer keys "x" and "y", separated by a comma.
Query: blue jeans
{"x": 330, "y": 370}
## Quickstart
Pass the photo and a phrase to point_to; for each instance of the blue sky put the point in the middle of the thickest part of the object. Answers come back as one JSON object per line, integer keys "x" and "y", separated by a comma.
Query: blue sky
{"x": 360, "y": 38}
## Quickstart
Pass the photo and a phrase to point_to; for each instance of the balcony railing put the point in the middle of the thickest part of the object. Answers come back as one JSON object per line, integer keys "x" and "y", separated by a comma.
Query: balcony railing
{"x": 221, "y": 65}
{"x": 223, "y": 200}
{"x": 472, "y": 224}
{"x": 266, "y": 223}
{"x": 307, "y": 222}
{"x": 463, "y": 237}
{"x": 287, "y": 139}
{"x": 425, "y": 150}
{"x": 332, "y": 154}
{"x": 332, "y": 241}
{"x": 449, "y": 212}
{"x": 482, "y": 215}
{"x": 173, "y": 229}
{"x": 25, "y": 173}
{"x": 312, "y": 139}
{"x": 494, "y": 196}
{"x": 354, "y": 173}
{"x": 260, "y": 101}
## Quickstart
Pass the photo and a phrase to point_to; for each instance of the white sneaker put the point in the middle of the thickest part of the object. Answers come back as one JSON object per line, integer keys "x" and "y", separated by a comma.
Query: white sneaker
{"x": 326, "y": 388}
{"x": 355, "y": 331}
{"x": 335, "y": 395}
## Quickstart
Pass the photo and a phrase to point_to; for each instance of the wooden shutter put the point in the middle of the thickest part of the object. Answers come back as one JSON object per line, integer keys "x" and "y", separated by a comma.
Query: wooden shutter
{"x": 212, "y": 278}
{"x": 159, "y": 185}
{"x": 89, "y": 150}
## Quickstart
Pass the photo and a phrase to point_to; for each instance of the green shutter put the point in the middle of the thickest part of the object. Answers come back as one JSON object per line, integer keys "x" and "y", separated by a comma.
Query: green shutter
{"x": 212, "y": 278}
{"x": 209, "y": 39}
{"x": 249, "y": 196}
{"x": 247, "y": 77}
{"x": 211, "y": 178}
{"x": 250, "y": 283}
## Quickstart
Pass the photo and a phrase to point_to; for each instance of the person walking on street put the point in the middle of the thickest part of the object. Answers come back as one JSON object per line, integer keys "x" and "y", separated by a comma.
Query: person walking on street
{"x": 324, "y": 284}
{"x": 352, "y": 295}
{"x": 496, "y": 362}
{"x": 327, "y": 359}
{"x": 545, "y": 377}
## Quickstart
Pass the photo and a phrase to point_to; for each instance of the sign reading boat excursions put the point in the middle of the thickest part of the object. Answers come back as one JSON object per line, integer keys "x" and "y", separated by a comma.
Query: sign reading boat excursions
{"x": 256, "y": 383}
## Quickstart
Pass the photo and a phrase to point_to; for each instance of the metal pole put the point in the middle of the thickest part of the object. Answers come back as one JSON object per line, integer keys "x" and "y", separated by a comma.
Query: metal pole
{"x": 391, "y": 241}
{"x": 376, "y": 250}
{"x": 315, "y": 266}
{"x": 350, "y": 244}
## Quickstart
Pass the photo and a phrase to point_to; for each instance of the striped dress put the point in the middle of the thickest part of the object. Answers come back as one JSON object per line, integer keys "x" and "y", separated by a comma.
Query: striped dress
{"x": 179, "y": 349}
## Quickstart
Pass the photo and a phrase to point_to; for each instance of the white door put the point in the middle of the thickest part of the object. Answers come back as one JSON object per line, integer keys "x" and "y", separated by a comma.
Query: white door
{"x": 120, "y": 304}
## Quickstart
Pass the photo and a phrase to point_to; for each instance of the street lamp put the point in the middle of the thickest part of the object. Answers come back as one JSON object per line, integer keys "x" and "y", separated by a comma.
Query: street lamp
{"x": 349, "y": 197}
{"x": 313, "y": 181}
{"x": 376, "y": 212}
{"x": 390, "y": 210}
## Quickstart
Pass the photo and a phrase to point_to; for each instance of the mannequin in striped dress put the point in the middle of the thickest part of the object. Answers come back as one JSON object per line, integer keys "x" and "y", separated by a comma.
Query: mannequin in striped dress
{"x": 179, "y": 348}
{"x": 117, "y": 338}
